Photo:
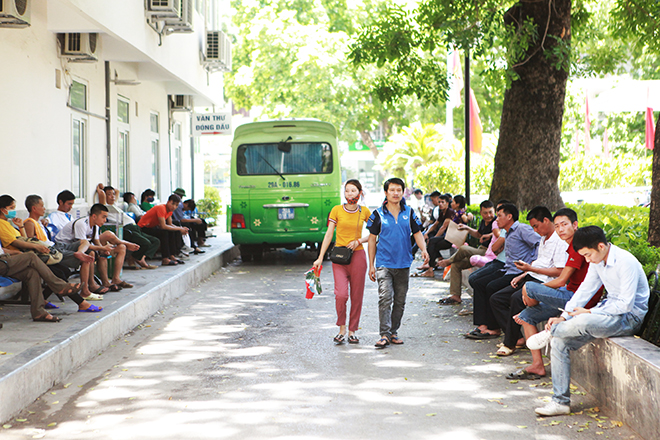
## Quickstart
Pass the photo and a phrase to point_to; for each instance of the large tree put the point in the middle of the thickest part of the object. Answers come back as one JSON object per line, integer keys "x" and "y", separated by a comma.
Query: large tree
{"x": 532, "y": 37}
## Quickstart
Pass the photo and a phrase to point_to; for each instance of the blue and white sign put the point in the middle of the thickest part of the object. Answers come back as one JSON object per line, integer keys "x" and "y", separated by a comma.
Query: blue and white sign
{"x": 212, "y": 124}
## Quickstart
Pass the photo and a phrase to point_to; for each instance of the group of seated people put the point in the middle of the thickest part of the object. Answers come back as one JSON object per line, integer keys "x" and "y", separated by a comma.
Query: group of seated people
{"x": 52, "y": 248}
{"x": 548, "y": 271}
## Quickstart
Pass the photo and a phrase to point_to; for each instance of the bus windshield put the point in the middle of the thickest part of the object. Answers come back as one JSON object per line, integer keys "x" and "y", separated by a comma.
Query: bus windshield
{"x": 267, "y": 159}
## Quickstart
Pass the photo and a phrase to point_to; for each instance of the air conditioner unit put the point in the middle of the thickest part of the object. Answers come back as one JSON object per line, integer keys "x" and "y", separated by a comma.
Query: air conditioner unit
{"x": 15, "y": 13}
{"x": 217, "y": 52}
{"x": 159, "y": 10}
{"x": 181, "y": 102}
{"x": 79, "y": 46}
{"x": 183, "y": 24}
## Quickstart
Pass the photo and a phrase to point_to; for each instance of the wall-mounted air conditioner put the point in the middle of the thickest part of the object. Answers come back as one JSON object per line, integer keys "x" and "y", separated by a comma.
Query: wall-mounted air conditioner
{"x": 217, "y": 52}
{"x": 79, "y": 46}
{"x": 181, "y": 102}
{"x": 15, "y": 13}
{"x": 183, "y": 24}
{"x": 158, "y": 10}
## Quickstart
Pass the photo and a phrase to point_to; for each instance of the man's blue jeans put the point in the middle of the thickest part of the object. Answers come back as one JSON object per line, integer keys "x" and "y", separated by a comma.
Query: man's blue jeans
{"x": 549, "y": 300}
{"x": 392, "y": 291}
{"x": 576, "y": 332}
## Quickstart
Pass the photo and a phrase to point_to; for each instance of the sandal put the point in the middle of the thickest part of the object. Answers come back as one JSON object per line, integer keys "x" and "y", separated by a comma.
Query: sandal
{"x": 352, "y": 339}
{"x": 46, "y": 318}
{"x": 339, "y": 339}
{"x": 394, "y": 339}
{"x": 102, "y": 290}
{"x": 448, "y": 301}
{"x": 91, "y": 309}
{"x": 523, "y": 374}
{"x": 505, "y": 351}
{"x": 92, "y": 297}
{"x": 125, "y": 285}
{"x": 171, "y": 263}
{"x": 49, "y": 306}
{"x": 114, "y": 288}
{"x": 383, "y": 342}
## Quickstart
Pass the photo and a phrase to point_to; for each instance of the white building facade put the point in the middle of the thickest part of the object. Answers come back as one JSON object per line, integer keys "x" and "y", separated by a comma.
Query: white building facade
{"x": 101, "y": 92}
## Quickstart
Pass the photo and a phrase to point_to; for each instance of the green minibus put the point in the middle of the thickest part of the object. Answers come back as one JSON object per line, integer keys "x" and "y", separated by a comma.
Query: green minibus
{"x": 285, "y": 179}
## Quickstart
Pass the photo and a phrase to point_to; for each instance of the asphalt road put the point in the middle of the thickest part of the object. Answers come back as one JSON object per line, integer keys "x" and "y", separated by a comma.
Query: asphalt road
{"x": 245, "y": 356}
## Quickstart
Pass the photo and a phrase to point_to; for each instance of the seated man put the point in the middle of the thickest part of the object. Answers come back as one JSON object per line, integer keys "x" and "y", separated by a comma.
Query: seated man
{"x": 148, "y": 244}
{"x": 461, "y": 259}
{"x": 547, "y": 266}
{"x": 74, "y": 254}
{"x": 620, "y": 314}
{"x": 435, "y": 235}
{"x": 61, "y": 216}
{"x": 28, "y": 267}
{"x": 542, "y": 301}
{"x": 131, "y": 201}
{"x": 521, "y": 245}
{"x": 158, "y": 222}
{"x": 105, "y": 245}
{"x": 197, "y": 226}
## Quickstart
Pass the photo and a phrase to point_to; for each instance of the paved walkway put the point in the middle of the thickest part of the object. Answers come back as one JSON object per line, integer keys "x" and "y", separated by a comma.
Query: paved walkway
{"x": 34, "y": 355}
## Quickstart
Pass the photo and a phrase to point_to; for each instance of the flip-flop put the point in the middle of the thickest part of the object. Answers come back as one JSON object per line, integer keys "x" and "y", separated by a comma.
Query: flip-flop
{"x": 352, "y": 339}
{"x": 125, "y": 285}
{"x": 92, "y": 309}
{"x": 171, "y": 263}
{"x": 49, "y": 306}
{"x": 132, "y": 267}
{"x": 394, "y": 339}
{"x": 180, "y": 262}
{"x": 523, "y": 374}
{"x": 114, "y": 288}
{"x": 93, "y": 297}
{"x": 339, "y": 339}
{"x": 44, "y": 319}
{"x": 149, "y": 266}
{"x": 481, "y": 335}
{"x": 382, "y": 342}
{"x": 102, "y": 290}
{"x": 505, "y": 351}
{"x": 448, "y": 301}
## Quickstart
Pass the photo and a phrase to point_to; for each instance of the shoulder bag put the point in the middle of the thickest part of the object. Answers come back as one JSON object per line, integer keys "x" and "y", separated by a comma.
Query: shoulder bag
{"x": 52, "y": 257}
{"x": 342, "y": 254}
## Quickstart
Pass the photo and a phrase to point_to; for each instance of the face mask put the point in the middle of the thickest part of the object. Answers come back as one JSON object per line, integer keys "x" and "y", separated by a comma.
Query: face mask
{"x": 11, "y": 214}
{"x": 353, "y": 201}
{"x": 150, "y": 199}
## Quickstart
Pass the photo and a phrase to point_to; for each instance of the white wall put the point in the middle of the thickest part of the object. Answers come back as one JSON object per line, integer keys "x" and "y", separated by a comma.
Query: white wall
{"x": 35, "y": 121}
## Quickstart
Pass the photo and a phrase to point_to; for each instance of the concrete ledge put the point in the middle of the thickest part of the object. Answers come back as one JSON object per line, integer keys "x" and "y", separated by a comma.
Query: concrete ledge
{"x": 38, "y": 368}
{"x": 624, "y": 376}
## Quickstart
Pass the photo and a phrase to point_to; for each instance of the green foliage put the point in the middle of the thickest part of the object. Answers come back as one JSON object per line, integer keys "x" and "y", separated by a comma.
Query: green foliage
{"x": 437, "y": 175}
{"x": 585, "y": 172}
{"x": 210, "y": 207}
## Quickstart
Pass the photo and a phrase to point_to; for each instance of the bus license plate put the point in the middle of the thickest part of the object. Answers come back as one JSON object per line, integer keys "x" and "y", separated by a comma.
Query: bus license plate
{"x": 285, "y": 214}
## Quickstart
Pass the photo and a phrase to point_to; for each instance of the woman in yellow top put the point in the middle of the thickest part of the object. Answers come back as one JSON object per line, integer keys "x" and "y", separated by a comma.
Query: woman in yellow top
{"x": 348, "y": 219}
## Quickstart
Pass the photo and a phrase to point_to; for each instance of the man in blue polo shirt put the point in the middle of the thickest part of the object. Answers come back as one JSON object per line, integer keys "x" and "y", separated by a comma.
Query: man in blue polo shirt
{"x": 393, "y": 223}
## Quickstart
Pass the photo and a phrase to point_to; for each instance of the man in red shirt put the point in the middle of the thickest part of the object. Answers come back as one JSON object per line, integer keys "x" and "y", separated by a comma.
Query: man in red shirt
{"x": 158, "y": 223}
{"x": 544, "y": 300}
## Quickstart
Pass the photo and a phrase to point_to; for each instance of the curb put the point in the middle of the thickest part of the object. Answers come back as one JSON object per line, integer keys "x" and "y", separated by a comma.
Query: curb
{"x": 35, "y": 371}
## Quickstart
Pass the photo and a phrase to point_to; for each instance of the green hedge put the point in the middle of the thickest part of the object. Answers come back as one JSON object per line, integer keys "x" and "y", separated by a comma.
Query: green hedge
{"x": 626, "y": 227}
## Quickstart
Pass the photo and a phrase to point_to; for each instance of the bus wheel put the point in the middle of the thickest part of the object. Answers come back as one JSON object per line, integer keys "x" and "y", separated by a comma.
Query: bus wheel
{"x": 246, "y": 253}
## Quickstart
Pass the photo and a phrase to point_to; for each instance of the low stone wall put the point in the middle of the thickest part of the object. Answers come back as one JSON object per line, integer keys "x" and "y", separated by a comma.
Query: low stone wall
{"x": 624, "y": 375}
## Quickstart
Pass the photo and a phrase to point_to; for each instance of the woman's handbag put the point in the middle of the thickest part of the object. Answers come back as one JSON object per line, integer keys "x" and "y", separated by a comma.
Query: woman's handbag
{"x": 342, "y": 254}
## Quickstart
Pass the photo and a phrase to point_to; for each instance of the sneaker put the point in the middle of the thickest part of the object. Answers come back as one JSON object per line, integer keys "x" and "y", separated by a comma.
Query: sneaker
{"x": 553, "y": 409}
{"x": 539, "y": 340}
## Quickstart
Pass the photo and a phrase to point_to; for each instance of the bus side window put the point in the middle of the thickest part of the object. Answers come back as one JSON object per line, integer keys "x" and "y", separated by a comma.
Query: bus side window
{"x": 241, "y": 161}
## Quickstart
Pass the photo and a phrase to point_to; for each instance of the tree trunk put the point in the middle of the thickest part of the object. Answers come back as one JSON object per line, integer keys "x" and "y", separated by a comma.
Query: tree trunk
{"x": 528, "y": 150}
{"x": 366, "y": 138}
{"x": 654, "y": 215}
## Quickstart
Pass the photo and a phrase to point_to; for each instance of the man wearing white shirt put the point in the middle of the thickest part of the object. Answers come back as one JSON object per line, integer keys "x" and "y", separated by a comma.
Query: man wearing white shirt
{"x": 61, "y": 217}
{"x": 620, "y": 314}
{"x": 550, "y": 261}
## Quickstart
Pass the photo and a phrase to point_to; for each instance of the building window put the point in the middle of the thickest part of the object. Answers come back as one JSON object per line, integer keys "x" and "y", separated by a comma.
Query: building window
{"x": 155, "y": 152}
{"x": 78, "y": 141}
{"x": 78, "y": 95}
{"x": 123, "y": 144}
